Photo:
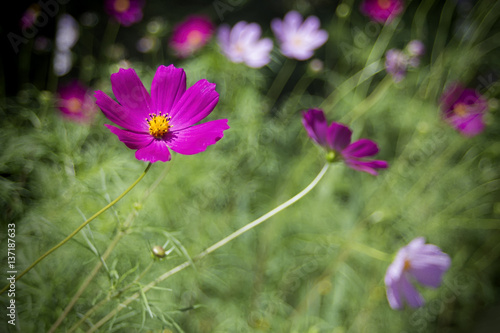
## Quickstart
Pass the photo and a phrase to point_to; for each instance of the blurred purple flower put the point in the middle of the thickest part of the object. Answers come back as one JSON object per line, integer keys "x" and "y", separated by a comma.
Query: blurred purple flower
{"x": 336, "y": 139}
{"x": 415, "y": 50}
{"x": 298, "y": 39}
{"x": 424, "y": 263}
{"x": 126, "y": 12}
{"x": 382, "y": 11}
{"x": 153, "y": 123}
{"x": 464, "y": 109}
{"x": 76, "y": 102}
{"x": 29, "y": 16}
{"x": 242, "y": 43}
{"x": 191, "y": 35}
{"x": 396, "y": 63}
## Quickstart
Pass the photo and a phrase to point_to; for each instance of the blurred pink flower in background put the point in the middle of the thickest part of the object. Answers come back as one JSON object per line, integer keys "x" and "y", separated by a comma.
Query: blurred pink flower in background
{"x": 396, "y": 63}
{"x": 464, "y": 109}
{"x": 30, "y": 15}
{"x": 76, "y": 103}
{"x": 298, "y": 39}
{"x": 242, "y": 43}
{"x": 416, "y": 262}
{"x": 382, "y": 11}
{"x": 126, "y": 12}
{"x": 415, "y": 50}
{"x": 191, "y": 35}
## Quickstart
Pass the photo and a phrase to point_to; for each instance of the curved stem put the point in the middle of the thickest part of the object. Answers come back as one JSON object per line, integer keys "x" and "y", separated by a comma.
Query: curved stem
{"x": 212, "y": 248}
{"x": 64, "y": 241}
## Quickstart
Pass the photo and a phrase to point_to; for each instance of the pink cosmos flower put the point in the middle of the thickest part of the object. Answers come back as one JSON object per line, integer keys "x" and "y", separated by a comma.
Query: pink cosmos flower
{"x": 336, "y": 139}
{"x": 464, "y": 109}
{"x": 126, "y": 12}
{"x": 382, "y": 11}
{"x": 420, "y": 262}
{"x": 76, "y": 103}
{"x": 191, "y": 35}
{"x": 298, "y": 39}
{"x": 243, "y": 44}
{"x": 166, "y": 118}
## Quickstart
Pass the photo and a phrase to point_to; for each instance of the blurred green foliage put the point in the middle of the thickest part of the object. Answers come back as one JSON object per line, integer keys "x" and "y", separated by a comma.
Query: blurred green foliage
{"x": 319, "y": 265}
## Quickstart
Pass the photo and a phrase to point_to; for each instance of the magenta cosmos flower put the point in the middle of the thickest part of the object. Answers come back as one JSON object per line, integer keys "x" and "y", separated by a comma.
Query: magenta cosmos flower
{"x": 464, "y": 109}
{"x": 420, "y": 262}
{"x": 382, "y": 11}
{"x": 298, "y": 39}
{"x": 126, "y": 12}
{"x": 191, "y": 35}
{"x": 166, "y": 118}
{"x": 243, "y": 44}
{"x": 336, "y": 139}
{"x": 76, "y": 102}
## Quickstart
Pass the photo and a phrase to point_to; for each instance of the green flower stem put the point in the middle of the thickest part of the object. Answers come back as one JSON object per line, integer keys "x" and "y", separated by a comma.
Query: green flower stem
{"x": 105, "y": 300}
{"x": 64, "y": 241}
{"x": 127, "y": 224}
{"x": 212, "y": 248}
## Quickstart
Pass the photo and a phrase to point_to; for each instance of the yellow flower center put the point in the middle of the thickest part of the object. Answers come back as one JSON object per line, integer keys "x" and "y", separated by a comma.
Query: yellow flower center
{"x": 407, "y": 265}
{"x": 460, "y": 109}
{"x": 122, "y": 5}
{"x": 194, "y": 37}
{"x": 158, "y": 124}
{"x": 74, "y": 105}
{"x": 384, "y": 4}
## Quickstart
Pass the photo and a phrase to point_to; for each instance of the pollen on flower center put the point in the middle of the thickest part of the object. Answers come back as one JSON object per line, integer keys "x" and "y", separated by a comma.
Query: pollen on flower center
{"x": 460, "y": 109}
{"x": 384, "y": 4}
{"x": 158, "y": 124}
{"x": 121, "y": 5}
{"x": 407, "y": 265}
{"x": 194, "y": 37}
{"x": 74, "y": 105}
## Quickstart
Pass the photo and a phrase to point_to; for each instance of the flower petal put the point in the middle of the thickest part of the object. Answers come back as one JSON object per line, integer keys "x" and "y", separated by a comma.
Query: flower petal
{"x": 428, "y": 265}
{"x": 316, "y": 125}
{"x": 366, "y": 166}
{"x": 156, "y": 151}
{"x": 130, "y": 92}
{"x": 338, "y": 136}
{"x": 196, "y": 103}
{"x": 169, "y": 84}
{"x": 411, "y": 295}
{"x": 393, "y": 293}
{"x": 195, "y": 139}
{"x": 132, "y": 140}
{"x": 120, "y": 115}
{"x": 361, "y": 148}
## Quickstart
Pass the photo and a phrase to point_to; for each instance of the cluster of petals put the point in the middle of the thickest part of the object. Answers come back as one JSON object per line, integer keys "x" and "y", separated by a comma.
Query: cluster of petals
{"x": 416, "y": 262}
{"x": 382, "y": 11}
{"x": 242, "y": 43}
{"x": 297, "y": 38}
{"x": 126, "y": 12}
{"x": 397, "y": 61}
{"x": 191, "y": 35}
{"x": 337, "y": 138}
{"x": 166, "y": 118}
{"x": 464, "y": 109}
{"x": 76, "y": 102}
